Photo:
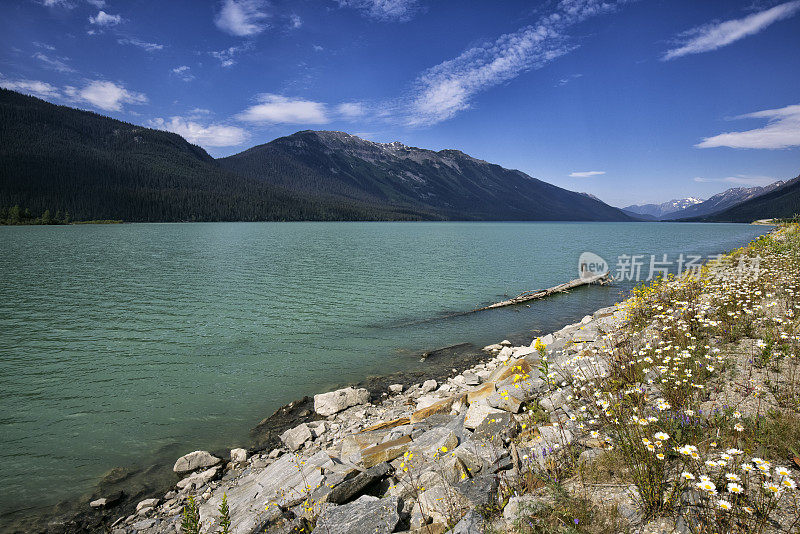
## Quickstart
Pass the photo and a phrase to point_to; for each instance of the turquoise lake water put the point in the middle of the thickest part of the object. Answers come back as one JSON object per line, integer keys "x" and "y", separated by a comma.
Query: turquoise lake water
{"x": 125, "y": 342}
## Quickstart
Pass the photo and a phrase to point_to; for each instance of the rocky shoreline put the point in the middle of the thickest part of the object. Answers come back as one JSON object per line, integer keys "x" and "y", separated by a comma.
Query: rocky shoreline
{"x": 344, "y": 462}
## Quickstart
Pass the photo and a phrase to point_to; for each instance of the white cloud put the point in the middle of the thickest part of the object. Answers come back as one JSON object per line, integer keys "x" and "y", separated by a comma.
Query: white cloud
{"x": 713, "y": 36}
{"x": 55, "y": 63}
{"x": 318, "y": 48}
{"x": 104, "y": 95}
{"x": 103, "y": 19}
{"x": 586, "y": 174}
{"x": 212, "y": 135}
{"x": 782, "y": 131}
{"x": 350, "y": 110}
{"x": 149, "y": 47}
{"x": 97, "y": 3}
{"x": 46, "y": 46}
{"x": 449, "y": 87}
{"x": 275, "y": 109}
{"x": 184, "y": 72}
{"x": 399, "y": 10}
{"x": 242, "y": 17}
{"x": 740, "y": 179}
{"x": 565, "y": 81}
{"x": 31, "y": 87}
{"x": 226, "y": 56}
{"x": 295, "y": 21}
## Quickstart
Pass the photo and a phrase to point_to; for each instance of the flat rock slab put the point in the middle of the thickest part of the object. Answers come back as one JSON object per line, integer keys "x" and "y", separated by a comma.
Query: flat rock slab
{"x": 296, "y": 437}
{"x": 255, "y": 499}
{"x": 477, "y": 413}
{"x": 193, "y": 461}
{"x": 334, "y": 402}
{"x": 364, "y": 515}
{"x": 442, "y": 406}
{"x": 385, "y": 425}
{"x": 385, "y": 452}
{"x": 431, "y": 442}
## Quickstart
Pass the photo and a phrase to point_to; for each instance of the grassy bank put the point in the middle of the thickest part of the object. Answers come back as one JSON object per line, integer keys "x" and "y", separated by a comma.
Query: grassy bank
{"x": 696, "y": 401}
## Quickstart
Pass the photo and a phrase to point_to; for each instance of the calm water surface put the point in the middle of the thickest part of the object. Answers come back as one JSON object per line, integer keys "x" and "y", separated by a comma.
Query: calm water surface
{"x": 125, "y": 342}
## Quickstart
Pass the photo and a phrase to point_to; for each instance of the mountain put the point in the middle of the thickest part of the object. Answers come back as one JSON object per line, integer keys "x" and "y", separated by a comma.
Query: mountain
{"x": 448, "y": 183}
{"x": 63, "y": 159}
{"x": 780, "y": 202}
{"x": 657, "y": 211}
{"x": 721, "y": 201}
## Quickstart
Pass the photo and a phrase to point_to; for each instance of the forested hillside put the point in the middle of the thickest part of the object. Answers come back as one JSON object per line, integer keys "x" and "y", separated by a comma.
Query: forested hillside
{"x": 65, "y": 160}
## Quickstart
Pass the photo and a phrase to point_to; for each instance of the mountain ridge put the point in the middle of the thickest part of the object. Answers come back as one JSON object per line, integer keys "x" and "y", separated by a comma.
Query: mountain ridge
{"x": 449, "y": 182}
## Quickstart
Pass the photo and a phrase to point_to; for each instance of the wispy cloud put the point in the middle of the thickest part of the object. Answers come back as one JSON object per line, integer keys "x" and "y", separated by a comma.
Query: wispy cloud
{"x": 385, "y": 10}
{"x": 295, "y": 21}
{"x": 782, "y": 131}
{"x": 713, "y": 36}
{"x": 105, "y": 20}
{"x": 184, "y": 72}
{"x": 565, "y": 81}
{"x": 586, "y": 174}
{"x": 46, "y": 46}
{"x": 278, "y": 109}
{"x": 226, "y": 56}
{"x": 350, "y": 110}
{"x": 444, "y": 90}
{"x": 31, "y": 87}
{"x": 740, "y": 179}
{"x": 211, "y": 135}
{"x": 104, "y": 95}
{"x": 242, "y": 18}
{"x": 55, "y": 63}
{"x": 149, "y": 47}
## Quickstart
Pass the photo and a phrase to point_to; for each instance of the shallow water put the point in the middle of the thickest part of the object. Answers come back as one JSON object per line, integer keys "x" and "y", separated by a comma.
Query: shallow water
{"x": 120, "y": 343}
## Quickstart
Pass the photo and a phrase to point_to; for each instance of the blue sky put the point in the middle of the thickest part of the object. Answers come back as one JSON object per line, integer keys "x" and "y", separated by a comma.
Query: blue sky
{"x": 633, "y": 101}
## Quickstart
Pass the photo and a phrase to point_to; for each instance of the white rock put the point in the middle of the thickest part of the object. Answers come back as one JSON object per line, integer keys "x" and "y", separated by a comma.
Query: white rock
{"x": 333, "y": 402}
{"x": 586, "y": 320}
{"x": 195, "y": 460}
{"x": 427, "y": 400}
{"x": 520, "y": 352}
{"x": 198, "y": 480}
{"x": 476, "y": 413}
{"x": 238, "y": 456}
{"x": 317, "y": 428}
{"x": 396, "y": 388}
{"x": 492, "y": 348}
{"x": 294, "y": 438}
{"x": 98, "y": 503}
{"x": 428, "y": 386}
{"x": 147, "y": 503}
{"x": 505, "y": 343}
{"x": 519, "y": 505}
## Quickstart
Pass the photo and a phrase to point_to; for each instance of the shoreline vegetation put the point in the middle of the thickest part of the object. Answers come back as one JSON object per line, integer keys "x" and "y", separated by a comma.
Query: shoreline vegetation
{"x": 16, "y": 216}
{"x": 677, "y": 410}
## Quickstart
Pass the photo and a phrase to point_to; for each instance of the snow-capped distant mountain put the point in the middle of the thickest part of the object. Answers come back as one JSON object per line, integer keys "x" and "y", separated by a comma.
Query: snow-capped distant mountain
{"x": 721, "y": 201}
{"x": 657, "y": 211}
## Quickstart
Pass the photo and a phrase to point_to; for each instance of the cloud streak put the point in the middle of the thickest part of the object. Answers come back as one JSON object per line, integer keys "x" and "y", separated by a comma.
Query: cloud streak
{"x": 148, "y": 47}
{"x": 713, "y": 36}
{"x": 740, "y": 179}
{"x": 586, "y": 174}
{"x": 242, "y": 18}
{"x": 278, "y": 109}
{"x": 105, "y": 20}
{"x": 782, "y": 131}
{"x": 31, "y": 87}
{"x": 384, "y": 10}
{"x": 448, "y": 88}
{"x": 211, "y": 135}
{"x": 104, "y": 95}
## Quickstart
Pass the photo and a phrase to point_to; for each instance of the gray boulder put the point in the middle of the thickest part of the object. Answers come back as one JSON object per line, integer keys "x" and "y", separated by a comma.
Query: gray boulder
{"x": 193, "y": 461}
{"x": 364, "y": 515}
{"x": 294, "y": 438}
{"x": 334, "y": 402}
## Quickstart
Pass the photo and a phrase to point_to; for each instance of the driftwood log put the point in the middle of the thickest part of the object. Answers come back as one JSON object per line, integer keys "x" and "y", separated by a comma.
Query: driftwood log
{"x": 603, "y": 278}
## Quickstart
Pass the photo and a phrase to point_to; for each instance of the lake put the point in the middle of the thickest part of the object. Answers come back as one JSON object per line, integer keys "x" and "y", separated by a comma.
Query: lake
{"x": 124, "y": 343}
